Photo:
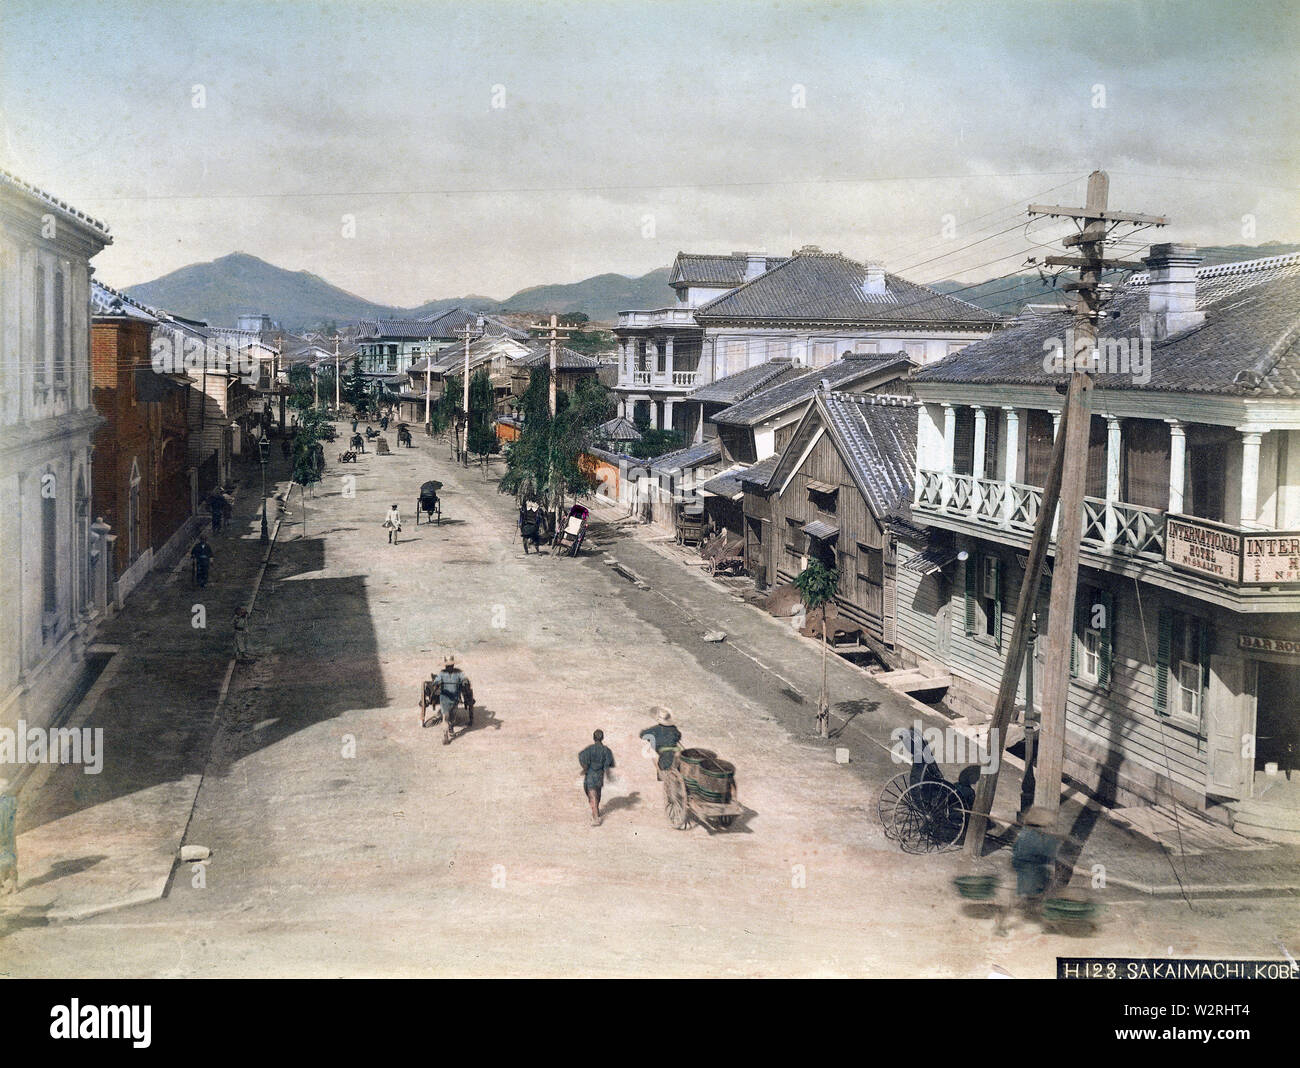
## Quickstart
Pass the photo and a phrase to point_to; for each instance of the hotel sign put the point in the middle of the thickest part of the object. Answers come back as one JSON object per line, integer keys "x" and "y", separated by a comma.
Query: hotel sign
{"x": 1243, "y": 558}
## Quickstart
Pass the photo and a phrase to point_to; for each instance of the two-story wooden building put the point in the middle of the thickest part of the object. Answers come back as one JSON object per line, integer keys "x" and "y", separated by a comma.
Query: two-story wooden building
{"x": 1186, "y": 652}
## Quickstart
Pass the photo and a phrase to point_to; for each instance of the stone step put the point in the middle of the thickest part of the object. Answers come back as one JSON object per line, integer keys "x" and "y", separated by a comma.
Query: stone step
{"x": 914, "y": 681}
{"x": 1271, "y": 822}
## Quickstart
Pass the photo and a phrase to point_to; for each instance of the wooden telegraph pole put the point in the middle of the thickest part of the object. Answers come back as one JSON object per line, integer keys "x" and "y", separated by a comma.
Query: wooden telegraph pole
{"x": 1066, "y": 482}
{"x": 469, "y": 333}
{"x": 555, "y": 332}
{"x": 338, "y": 393}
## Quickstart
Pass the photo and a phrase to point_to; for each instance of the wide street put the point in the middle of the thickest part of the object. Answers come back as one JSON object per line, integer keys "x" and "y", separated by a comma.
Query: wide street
{"x": 346, "y": 840}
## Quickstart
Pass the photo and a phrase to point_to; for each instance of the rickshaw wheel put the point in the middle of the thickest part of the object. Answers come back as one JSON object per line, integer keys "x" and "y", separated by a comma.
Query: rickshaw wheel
{"x": 929, "y": 818}
{"x": 889, "y": 797}
{"x": 675, "y": 795}
{"x": 726, "y": 821}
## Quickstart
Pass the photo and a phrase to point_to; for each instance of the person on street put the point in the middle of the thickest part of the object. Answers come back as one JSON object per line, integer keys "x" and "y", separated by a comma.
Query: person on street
{"x": 393, "y": 524}
{"x": 202, "y": 555}
{"x": 530, "y": 526}
{"x": 451, "y": 684}
{"x": 217, "y": 507}
{"x": 286, "y": 446}
{"x": 595, "y": 761}
{"x": 665, "y": 737}
{"x": 383, "y": 424}
{"x": 1033, "y": 858}
{"x": 354, "y": 425}
{"x": 241, "y": 635}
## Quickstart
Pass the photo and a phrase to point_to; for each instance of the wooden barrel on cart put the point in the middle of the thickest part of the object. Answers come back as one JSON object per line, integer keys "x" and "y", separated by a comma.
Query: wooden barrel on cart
{"x": 713, "y": 780}
{"x": 688, "y": 763}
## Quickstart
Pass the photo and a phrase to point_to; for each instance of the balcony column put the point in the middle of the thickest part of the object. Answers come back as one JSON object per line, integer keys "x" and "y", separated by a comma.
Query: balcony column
{"x": 977, "y": 464}
{"x": 1250, "y": 441}
{"x": 668, "y": 355}
{"x": 1012, "y": 464}
{"x": 1177, "y": 464}
{"x": 652, "y": 356}
{"x": 949, "y": 449}
{"x": 1112, "y": 478}
{"x": 668, "y": 413}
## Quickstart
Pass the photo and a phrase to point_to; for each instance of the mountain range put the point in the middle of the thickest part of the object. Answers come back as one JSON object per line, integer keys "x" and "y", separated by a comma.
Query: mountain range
{"x": 222, "y": 290}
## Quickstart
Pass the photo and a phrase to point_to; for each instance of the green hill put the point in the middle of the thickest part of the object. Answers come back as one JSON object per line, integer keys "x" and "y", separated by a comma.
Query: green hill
{"x": 238, "y": 284}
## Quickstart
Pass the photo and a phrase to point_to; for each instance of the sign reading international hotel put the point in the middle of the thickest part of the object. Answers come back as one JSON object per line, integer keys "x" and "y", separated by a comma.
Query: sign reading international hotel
{"x": 1267, "y": 558}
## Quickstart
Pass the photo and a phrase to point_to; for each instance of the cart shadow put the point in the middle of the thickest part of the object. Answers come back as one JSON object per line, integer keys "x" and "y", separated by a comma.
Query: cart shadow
{"x": 739, "y": 825}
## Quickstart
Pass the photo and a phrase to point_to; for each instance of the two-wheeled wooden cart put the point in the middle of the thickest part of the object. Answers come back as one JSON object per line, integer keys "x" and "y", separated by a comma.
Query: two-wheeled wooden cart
{"x": 698, "y": 785}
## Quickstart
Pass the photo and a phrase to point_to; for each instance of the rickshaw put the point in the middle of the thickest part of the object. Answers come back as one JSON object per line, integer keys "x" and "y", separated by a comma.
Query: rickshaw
{"x": 429, "y": 503}
{"x": 571, "y": 534}
{"x": 919, "y": 808}
{"x": 404, "y": 435}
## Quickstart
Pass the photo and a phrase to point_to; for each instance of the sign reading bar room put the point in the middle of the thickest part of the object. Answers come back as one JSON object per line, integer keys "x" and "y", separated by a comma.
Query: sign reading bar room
{"x": 1244, "y": 558}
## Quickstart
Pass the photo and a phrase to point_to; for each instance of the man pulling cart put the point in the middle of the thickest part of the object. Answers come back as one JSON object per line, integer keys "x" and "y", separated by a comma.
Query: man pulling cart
{"x": 444, "y": 691}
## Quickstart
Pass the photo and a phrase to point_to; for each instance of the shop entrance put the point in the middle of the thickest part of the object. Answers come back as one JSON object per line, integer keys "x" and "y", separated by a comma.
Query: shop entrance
{"x": 1277, "y": 716}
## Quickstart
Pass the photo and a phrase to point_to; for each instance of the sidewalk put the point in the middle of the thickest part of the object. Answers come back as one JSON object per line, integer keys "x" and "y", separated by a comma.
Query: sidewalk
{"x": 1105, "y": 853}
{"x": 88, "y": 843}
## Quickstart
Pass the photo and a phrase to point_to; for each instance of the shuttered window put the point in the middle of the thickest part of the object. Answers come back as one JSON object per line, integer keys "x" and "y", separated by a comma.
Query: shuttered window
{"x": 983, "y": 608}
{"x": 963, "y": 453}
{"x": 1182, "y": 665}
{"x": 823, "y": 352}
{"x": 1038, "y": 447}
{"x": 1145, "y": 471}
{"x": 1093, "y": 639}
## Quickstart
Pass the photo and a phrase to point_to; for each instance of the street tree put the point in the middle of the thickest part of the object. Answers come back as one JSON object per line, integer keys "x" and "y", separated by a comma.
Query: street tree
{"x": 356, "y": 389}
{"x": 482, "y": 439}
{"x": 817, "y": 584}
{"x": 545, "y": 462}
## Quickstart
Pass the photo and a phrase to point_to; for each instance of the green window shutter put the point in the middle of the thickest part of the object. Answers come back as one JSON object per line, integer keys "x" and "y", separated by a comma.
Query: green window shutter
{"x": 1164, "y": 644}
{"x": 1107, "y": 643}
{"x": 997, "y": 604}
{"x": 972, "y": 562}
{"x": 1074, "y": 639}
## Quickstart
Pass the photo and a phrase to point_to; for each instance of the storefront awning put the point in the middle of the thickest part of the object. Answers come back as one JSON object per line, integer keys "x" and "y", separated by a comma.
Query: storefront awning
{"x": 820, "y": 530}
{"x": 930, "y": 560}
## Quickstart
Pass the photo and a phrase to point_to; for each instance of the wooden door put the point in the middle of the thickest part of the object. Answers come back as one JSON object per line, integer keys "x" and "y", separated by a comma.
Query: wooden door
{"x": 1228, "y": 721}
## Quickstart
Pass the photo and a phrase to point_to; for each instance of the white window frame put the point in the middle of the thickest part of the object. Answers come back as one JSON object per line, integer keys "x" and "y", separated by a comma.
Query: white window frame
{"x": 1090, "y": 656}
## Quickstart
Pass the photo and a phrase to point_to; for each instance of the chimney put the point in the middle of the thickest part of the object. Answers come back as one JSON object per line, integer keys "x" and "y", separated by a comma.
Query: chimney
{"x": 1172, "y": 290}
{"x": 874, "y": 283}
{"x": 755, "y": 264}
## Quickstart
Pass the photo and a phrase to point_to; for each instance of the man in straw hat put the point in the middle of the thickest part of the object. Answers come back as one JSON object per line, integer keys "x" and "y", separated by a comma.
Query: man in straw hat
{"x": 1033, "y": 858}
{"x": 664, "y": 737}
{"x": 449, "y": 685}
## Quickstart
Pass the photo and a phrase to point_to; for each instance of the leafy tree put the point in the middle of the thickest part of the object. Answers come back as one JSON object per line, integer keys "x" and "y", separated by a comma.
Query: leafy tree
{"x": 356, "y": 389}
{"x": 303, "y": 387}
{"x": 591, "y": 342}
{"x": 817, "y": 584}
{"x": 544, "y": 462}
{"x": 655, "y": 443}
{"x": 482, "y": 439}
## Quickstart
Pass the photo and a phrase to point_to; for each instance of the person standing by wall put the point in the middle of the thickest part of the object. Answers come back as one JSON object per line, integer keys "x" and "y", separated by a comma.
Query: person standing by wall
{"x": 202, "y": 556}
{"x": 595, "y": 761}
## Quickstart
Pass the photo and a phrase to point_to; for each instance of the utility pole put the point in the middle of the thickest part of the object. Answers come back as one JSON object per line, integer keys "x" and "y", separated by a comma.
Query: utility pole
{"x": 428, "y": 381}
{"x": 555, "y": 330}
{"x": 1066, "y": 479}
{"x": 555, "y": 334}
{"x": 338, "y": 400}
{"x": 469, "y": 333}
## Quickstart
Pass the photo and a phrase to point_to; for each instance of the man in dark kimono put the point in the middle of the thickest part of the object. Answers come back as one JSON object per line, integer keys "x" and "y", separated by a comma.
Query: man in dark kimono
{"x": 530, "y": 526}
{"x": 595, "y": 760}
{"x": 202, "y": 554}
{"x": 665, "y": 737}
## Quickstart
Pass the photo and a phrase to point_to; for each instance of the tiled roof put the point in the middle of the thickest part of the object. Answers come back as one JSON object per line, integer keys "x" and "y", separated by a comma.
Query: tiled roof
{"x": 738, "y": 386}
{"x": 61, "y": 206}
{"x": 617, "y": 429}
{"x": 1248, "y": 345}
{"x": 107, "y": 302}
{"x": 565, "y": 359}
{"x": 760, "y": 473}
{"x": 688, "y": 458}
{"x": 692, "y": 268}
{"x": 729, "y": 484}
{"x": 401, "y": 329}
{"x": 826, "y": 287}
{"x": 877, "y": 437}
{"x": 796, "y": 389}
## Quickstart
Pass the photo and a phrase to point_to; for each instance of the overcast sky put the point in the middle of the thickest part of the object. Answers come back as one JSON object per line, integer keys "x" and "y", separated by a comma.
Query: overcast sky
{"x": 632, "y": 130}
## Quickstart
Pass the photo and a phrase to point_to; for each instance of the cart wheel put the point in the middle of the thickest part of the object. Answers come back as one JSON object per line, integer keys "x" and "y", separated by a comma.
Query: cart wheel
{"x": 726, "y": 821}
{"x": 894, "y": 789}
{"x": 929, "y": 818}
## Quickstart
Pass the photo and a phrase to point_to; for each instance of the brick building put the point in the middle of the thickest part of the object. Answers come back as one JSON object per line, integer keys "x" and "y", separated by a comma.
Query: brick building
{"x": 142, "y": 472}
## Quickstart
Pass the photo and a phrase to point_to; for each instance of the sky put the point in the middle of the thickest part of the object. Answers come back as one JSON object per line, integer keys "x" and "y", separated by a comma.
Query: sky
{"x": 407, "y": 151}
